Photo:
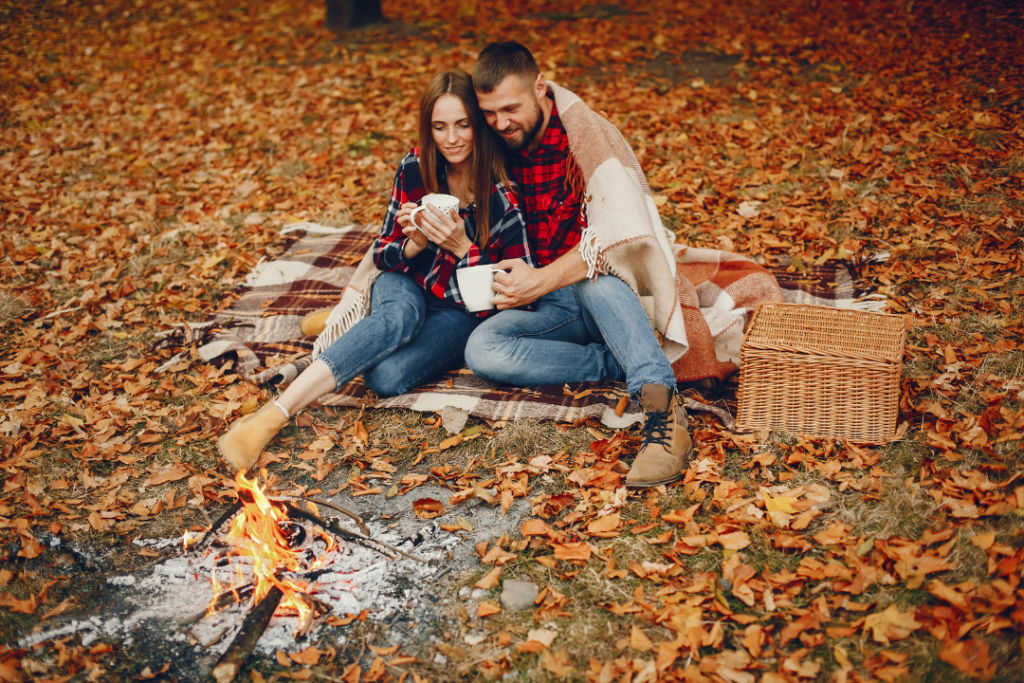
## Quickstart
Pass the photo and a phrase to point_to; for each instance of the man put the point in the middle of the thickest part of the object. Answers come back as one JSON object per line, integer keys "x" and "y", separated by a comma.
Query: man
{"x": 589, "y": 213}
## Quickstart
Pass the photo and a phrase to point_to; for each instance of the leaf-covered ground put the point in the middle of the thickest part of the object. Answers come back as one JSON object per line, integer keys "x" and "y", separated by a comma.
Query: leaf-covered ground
{"x": 151, "y": 151}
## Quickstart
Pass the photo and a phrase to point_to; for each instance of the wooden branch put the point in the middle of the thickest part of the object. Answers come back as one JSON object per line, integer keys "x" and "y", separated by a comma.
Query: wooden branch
{"x": 358, "y": 520}
{"x": 204, "y": 542}
{"x": 332, "y": 526}
{"x": 244, "y": 643}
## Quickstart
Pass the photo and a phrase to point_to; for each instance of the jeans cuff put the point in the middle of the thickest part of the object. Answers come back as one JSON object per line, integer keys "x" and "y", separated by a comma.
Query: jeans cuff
{"x": 338, "y": 379}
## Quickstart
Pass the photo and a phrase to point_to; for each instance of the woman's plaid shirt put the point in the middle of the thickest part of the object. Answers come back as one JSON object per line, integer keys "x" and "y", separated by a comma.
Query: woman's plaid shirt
{"x": 434, "y": 268}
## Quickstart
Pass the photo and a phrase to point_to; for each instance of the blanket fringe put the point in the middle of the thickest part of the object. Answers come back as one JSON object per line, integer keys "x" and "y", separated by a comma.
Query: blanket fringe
{"x": 174, "y": 359}
{"x": 590, "y": 250}
{"x": 315, "y": 229}
{"x": 872, "y": 303}
{"x": 575, "y": 182}
{"x": 330, "y": 335}
{"x": 253, "y": 276}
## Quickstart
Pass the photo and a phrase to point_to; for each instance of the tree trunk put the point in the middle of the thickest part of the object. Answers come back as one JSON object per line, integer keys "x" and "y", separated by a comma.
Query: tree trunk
{"x": 343, "y": 15}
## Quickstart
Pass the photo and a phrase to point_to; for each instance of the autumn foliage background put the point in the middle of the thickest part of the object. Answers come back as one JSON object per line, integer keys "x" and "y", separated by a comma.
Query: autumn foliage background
{"x": 150, "y": 153}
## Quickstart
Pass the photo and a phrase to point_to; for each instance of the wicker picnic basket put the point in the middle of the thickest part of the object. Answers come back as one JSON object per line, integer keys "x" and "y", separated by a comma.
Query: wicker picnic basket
{"x": 825, "y": 372}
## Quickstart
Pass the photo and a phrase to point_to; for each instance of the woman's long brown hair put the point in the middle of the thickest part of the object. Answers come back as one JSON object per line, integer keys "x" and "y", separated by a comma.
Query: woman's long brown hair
{"x": 488, "y": 162}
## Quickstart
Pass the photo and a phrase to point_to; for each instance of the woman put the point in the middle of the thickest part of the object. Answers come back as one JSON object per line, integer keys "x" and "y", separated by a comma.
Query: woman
{"x": 418, "y": 324}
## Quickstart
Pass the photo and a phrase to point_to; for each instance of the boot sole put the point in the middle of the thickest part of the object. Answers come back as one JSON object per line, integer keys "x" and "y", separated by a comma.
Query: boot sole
{"x": 652, "y": 484}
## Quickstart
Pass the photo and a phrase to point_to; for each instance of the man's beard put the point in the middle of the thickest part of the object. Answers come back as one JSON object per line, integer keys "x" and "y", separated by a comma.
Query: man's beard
{"x": 529, "y": 133}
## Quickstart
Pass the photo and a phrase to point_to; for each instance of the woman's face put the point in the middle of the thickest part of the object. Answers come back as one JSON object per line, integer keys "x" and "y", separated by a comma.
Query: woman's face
{"x": 452, "y": 129}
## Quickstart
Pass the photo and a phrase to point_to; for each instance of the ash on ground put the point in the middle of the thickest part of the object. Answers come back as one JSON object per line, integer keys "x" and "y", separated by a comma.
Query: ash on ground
{"x": 162, "y": 615}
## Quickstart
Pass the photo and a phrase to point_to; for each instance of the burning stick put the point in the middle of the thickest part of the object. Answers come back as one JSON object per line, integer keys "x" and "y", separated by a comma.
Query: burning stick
{"x": 228, "y": 598}
{"x": 332, "y": 526}
{"x": 358, "y": 520}
{"x": 201, "y": 544}
{"x": 245, "y": 641}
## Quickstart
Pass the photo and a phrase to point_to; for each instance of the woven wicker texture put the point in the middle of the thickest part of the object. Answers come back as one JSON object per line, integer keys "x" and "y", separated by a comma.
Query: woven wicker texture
{"x": 823, "y": 372}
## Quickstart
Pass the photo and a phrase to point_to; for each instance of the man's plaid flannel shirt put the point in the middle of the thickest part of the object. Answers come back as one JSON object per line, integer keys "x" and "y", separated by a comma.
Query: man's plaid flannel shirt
{"x": 553, "y": 211}
{"x": 434, "y": 268}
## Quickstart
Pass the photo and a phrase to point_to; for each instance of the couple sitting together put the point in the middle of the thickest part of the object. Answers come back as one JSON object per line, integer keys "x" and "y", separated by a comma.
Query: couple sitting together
{"x": 551, "y": 196}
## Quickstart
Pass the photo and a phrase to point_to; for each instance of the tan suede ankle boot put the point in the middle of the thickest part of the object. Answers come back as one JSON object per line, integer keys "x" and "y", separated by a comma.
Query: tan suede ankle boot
{"x": 666, "y": 439}
{"x": 242, "y": 445}
{"x": 315, "y": 322}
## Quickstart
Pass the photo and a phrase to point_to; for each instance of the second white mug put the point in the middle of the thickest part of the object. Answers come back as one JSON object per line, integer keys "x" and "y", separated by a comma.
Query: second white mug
{"x": 476, "y": 286}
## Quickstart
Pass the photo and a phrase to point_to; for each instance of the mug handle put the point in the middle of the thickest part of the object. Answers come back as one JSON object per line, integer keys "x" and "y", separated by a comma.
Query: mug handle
{"x": 412, "y": 217}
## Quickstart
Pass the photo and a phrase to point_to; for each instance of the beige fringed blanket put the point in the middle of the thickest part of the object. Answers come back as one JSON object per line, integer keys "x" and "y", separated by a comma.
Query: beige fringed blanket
{"x": 700, "y": 297}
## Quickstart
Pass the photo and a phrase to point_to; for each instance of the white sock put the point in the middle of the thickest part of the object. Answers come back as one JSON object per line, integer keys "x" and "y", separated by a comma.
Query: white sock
{"x": 283, "y": 410}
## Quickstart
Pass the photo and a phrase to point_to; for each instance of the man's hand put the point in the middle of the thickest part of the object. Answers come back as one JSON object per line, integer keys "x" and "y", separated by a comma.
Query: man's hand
{"x": 522, "y": 285}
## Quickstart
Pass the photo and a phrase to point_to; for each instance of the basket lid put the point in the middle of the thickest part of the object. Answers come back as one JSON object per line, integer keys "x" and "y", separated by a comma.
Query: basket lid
{"x": 821, "y": 331}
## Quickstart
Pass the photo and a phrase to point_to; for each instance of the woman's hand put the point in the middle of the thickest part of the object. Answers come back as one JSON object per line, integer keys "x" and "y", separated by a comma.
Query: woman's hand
{"x": 404, "y": 215}
{"x": 417, "y": 240}
{"x": 446, "y": 230}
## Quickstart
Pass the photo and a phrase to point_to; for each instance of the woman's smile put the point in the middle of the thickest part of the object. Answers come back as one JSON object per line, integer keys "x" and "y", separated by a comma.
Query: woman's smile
{"x": 451, "y": 129}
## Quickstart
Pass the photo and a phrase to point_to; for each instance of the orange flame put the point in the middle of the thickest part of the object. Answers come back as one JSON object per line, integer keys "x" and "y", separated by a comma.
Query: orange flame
{"x": 256, "y": 533}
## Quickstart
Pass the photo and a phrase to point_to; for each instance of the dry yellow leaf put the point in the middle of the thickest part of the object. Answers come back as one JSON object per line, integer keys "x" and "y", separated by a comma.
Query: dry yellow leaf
{"x": 785, "y": 504}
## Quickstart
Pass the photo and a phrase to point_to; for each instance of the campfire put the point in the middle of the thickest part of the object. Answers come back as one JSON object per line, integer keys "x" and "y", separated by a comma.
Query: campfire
{"x": 263, "y": 545}
{"x": 267, "y": 575}
{"x": 266, "y": 554}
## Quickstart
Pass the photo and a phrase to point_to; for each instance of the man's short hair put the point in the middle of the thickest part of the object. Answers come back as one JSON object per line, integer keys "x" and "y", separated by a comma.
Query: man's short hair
{"x": 498, "y": 61}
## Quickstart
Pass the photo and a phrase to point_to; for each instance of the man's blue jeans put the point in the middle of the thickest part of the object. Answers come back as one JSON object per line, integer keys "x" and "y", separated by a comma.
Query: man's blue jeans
{"x": 588, "y": 332}
{"x": 409, "y": 337}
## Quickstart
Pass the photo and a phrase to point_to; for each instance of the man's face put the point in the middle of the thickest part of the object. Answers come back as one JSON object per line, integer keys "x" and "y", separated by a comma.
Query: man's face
{"x": 513, "y": 110}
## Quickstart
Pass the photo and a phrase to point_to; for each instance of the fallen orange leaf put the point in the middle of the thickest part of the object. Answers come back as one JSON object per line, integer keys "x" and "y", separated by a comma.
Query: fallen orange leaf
{"x": 486, "y": 609}
{"x": 428, "y": 508}
{"x": 985, "y": 539}
{"x": 639, "y": 641}
{"x": 490, "y": 580}
{"x": 891, "y": 625}
{"x": 557, "y": 663}
{"x": 737, "y": 540}
{"x": 604, "y": 524}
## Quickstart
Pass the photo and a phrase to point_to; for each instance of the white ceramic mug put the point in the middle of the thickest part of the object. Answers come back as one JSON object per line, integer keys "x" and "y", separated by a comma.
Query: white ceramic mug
{"x": 476, "y": 286}
{"x": 443, "y": 202}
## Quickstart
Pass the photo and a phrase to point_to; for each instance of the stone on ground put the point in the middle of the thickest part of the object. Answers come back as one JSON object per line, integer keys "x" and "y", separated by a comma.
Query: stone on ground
{"x": 518, "y": 595}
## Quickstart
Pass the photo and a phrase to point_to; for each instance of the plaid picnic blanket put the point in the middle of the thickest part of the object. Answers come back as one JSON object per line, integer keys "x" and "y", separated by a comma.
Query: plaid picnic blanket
{"x": 261, "y": 329}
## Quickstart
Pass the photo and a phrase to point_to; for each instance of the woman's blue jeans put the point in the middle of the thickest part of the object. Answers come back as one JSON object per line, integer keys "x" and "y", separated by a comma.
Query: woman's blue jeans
{"x": 589, "y": 332}
{"x": 409, "y": 337}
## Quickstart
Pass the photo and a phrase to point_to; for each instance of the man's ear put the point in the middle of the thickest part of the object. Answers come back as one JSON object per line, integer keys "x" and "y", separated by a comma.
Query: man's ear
{"x": 540, "y": 86}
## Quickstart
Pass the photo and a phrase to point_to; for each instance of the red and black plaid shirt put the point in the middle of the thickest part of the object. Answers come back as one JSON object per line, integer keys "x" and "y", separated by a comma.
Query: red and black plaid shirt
{"x": 434, "y": 268}
{"x": 553, "y": 217}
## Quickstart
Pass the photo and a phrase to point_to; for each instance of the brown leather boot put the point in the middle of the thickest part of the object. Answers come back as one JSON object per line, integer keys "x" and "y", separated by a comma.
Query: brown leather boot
{"x": 666, "y": 446}
{"x": 315, "y": 322}
{"x": 242, "y": 445}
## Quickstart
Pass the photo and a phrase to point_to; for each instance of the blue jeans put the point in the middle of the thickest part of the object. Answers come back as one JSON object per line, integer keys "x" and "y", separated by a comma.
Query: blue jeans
{"x": 588, "y": 332}
{"x": 409, "y": 337}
